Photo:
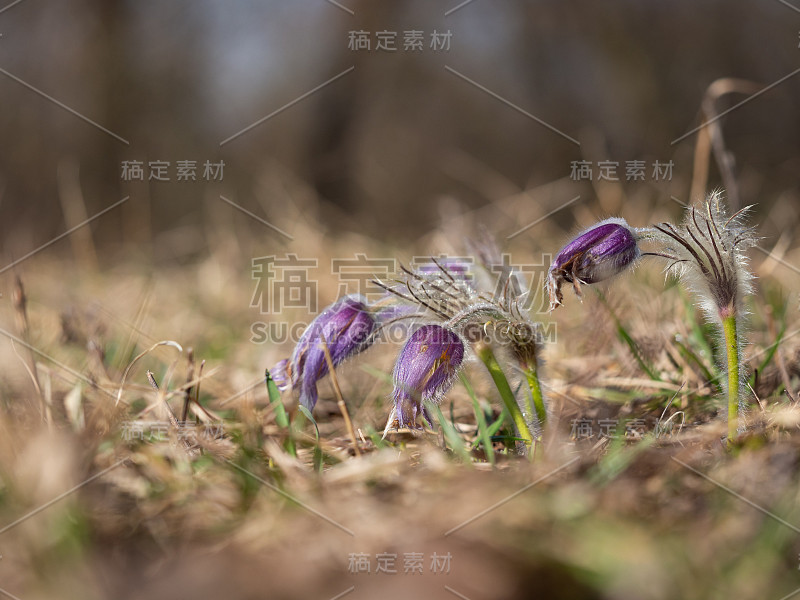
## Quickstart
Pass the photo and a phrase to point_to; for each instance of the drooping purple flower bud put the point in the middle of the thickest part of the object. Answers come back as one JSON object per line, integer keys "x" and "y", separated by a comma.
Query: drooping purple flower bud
{"x": 347, "y": 327}
{"x": 598, "y": 253}
{"x": 424, "y": 371}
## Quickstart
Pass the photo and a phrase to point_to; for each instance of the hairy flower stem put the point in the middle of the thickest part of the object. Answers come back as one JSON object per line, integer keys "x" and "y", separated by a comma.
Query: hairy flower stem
{"x": 484, "y": 352}
{"x": 532, "y": 376}
{"x": 732, "y": 350}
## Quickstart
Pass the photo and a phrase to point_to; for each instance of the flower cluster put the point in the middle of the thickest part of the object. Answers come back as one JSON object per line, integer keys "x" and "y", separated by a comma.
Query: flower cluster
{"x": 450, "y": 311}
{"x": 426, "y": 366}
{"x": 447, "y": 314}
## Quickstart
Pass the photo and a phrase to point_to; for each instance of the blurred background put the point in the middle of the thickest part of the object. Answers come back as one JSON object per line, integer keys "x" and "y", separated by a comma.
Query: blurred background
{"x": 309, "y": 137}
{"x": 397, "y": 143}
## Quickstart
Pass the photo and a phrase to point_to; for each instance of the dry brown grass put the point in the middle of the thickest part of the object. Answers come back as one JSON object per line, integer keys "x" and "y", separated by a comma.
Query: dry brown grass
{"x": 187, "y": 517}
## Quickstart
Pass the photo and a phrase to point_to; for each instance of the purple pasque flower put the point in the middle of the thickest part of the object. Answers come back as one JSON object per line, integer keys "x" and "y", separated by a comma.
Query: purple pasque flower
{"x": 424, "y": 371}
{"x": 347, "y": 326}
{"x": 598, "y": 253}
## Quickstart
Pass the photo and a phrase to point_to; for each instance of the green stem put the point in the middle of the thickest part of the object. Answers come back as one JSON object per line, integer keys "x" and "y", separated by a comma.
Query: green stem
{"x": 484, "y": 352}
{"x": 732, "y": 350}
{"x": 532, "y": 375}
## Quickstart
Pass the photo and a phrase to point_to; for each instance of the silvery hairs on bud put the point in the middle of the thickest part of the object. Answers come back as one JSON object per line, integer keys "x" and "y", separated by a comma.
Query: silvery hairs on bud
{"x": 708, "y": 253}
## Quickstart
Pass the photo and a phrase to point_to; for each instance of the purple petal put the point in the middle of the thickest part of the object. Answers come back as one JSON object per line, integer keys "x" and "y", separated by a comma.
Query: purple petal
{"x": 584, "y": 243}
{"x": 346, "y": 326}
{"x": 425, "y": 370}
{"x": 280, "y": 375}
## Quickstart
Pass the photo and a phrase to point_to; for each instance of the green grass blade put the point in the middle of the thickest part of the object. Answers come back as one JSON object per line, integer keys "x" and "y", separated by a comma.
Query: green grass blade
{"x": 618, "y": 458}
{"x": 626, "y": 337}
{"x": 495, "y": 427}
{"x": 692, "y": 357}
{"x": 376, "y": 438}
{"x": 281, "y": 417}
{"x": 307, "y": 414}
{"x": 450, "y": 433}
{"x": 772, "y": 350}
{"x": 318, "y": 458}
{"x": 483, "y": 430}
{"x": 702, "y": 335}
